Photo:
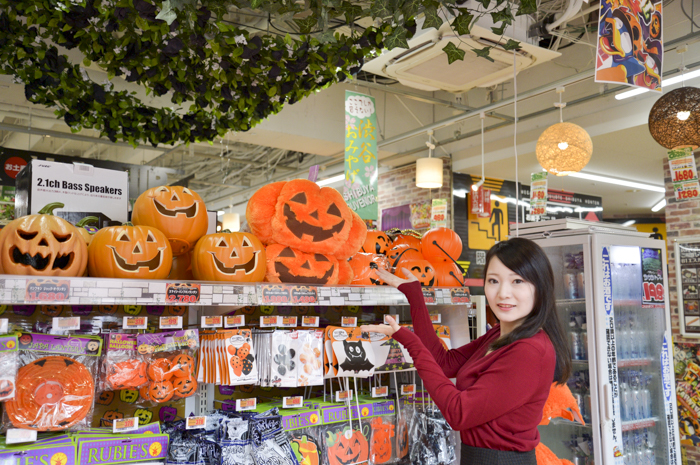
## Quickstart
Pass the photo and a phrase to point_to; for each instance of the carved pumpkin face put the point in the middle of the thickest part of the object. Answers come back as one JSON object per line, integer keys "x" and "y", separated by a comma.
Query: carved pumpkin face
{"x": 380, "y": 449}
{"x": 42, "y": 244}
{"x": 144, "y": 416}
{"x": 109, "y": 417}
{"x": 306, "y": 450}
{"x": 247, "y": 388}
{"x": 143, "y": 392}
{"x": 182, "y": 365}
{"x": 51, "y": 310}
{"x": 130, "y": 252}
{"x": 441, "y": 244}
{"x": 107, "y": 309}
{"x": 185, "y": 386}
{"x": 161, "y": 391}
{"x": 364, "y": 267}
{"x": 304, "y": 216}
{"x": 129, "y": 396}
{"x": 411, "y": 241}
{"x": 182, "y": 268}
{"x": 344, "y": 451}
{"x": 105, "y": 398}
{"x": 288, "y": 265}
{"x": 402, "y": 252}
{"x": 175, "y": 210}
{"x": 421, "y": 269}
{"x": 376, "y": 242}
{"x": 448, "y": 274}
{"x": 238, "y": 257}
{"x": 6, "y": 387}
{"x": 176, "y": 310}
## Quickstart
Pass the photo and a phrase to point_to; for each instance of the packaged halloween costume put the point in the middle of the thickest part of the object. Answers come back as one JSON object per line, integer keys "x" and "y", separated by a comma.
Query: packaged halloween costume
{"x": 122, "y": 366}
{"x": 8, "y": 366}
{"x": 55, "y": 383}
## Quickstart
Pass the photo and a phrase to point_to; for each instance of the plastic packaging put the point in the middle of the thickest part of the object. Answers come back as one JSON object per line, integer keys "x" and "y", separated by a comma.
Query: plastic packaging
{"x": 9, "y": 359}
{"x": 383, "y": 431}
{"x": 353, "y": 352}
{"x": 122, "y": 366}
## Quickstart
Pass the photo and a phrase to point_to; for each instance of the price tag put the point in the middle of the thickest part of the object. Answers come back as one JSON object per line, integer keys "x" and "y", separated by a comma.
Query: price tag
{"x": 170, "y": 322}
{"x": 395, "y": 317}
{"x": 47, "y": 290}
{"x": 429, "y": 295}
{"x": 343, "y": 396}
{"x": 269, "y": 321}
{"x": 4, "y": 326}
{"x": 304, "y": 295}
{"x": 380, "y": 391}
{"x": 348, "y": 322}
{"x": 212, "y": 321}
{"x": 66, "y": 324}
{"x": 460, "y": 295}
{"x": 234, "y": 321}
{"x": 17, "y": 435}
{"x": 246, "y": 404}
{"x": 135, "y": 322}
{"x": 310, "y": 321}
{"x": 436, "y": 318}
{"x": 182, "y": 293}
{"x": 196, "y": 422}
{"x": 288, "y": 321}
{"x": 125, "y": 425}
{"x": 293, "y": 402}
{"x": 408, "y": 389}
{"x": 275, "y": 294}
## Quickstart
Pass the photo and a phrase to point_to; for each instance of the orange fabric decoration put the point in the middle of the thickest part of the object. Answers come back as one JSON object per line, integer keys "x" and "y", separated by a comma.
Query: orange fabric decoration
{"x": 559, "y": 404}
{"x": 127, "y": 374}
{"x": 402, "y": 252}
{"x": 345, "y": 272}
{"x": 380, "y": 447}
{"x": 421, "y": 269}
{"x": 410, "y": 240}
{"x": 288, "y": 265}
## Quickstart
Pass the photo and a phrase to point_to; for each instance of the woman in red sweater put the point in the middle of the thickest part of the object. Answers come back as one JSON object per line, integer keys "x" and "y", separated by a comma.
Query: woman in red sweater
{"x": 503, "y": 378}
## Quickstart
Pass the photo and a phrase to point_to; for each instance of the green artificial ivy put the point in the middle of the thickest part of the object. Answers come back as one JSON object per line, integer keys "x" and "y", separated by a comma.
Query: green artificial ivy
{"x": 219, "y": 76}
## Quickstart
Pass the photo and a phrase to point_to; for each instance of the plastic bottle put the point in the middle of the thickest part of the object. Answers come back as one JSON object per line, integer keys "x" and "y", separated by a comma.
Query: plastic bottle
{"x": 574, "y": 337}
{"x": 640, "y": 450}
{"x": 647, "y": 397}
{"x": 625, "y": 400}
{"x": 584, "y": 336}
{"x": 634, "y": 337}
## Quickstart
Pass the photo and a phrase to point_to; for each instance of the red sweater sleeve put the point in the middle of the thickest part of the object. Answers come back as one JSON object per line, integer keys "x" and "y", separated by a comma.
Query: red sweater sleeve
{"x": 510, "y": 382}
{"x": 449, "y": 360}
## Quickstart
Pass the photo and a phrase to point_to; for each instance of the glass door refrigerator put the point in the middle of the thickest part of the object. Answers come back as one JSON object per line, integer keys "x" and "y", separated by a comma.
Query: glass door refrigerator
{"x": 612, "y": 299}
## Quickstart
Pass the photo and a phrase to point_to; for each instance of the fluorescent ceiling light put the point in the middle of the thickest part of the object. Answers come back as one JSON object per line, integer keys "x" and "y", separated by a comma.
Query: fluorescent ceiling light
{"x": 666, "y": 82}
{"x": 629, "y": 223}
{"x": 659, "y": 206}
{"x": 327, "y": 181}
{"x": 620, "y": 182}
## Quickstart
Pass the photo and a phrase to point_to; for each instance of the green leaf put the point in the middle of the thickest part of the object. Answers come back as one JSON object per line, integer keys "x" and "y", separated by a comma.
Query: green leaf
{"x": 410, "y": 8}
{"x": 527, "y": 7}
{"x": 484, "y": 3}
{"x": 462, "y": 23}
{"x": 432, "y": 19}
{"x": 326, "y": 37}
{"x": 503, "y": 15}
{"x": 255, "y": 4}
{"x": 306, "y": 25}
{"x": 499, "y": 30}
{"x": 167, "y": 14}
{"x": 380, "y": 9}
{"x": 511, "y": 45}
{"x": 453, "y": 53}
{"x": 397, "y": 38}
{"x": 87, "y": 62}
{"x": 483, "y": 53}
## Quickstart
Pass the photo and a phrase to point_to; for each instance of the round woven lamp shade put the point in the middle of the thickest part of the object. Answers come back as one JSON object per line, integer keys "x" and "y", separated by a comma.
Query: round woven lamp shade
{"x": 564, "y": 148}
{"x": 674, "y": 120}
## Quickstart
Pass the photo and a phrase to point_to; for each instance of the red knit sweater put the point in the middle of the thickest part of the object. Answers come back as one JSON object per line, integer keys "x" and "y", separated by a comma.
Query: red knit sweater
{"x": 498, "y": 398}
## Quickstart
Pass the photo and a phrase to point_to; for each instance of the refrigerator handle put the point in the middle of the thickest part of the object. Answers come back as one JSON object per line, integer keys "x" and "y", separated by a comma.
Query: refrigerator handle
{"x": 607, "y": 396}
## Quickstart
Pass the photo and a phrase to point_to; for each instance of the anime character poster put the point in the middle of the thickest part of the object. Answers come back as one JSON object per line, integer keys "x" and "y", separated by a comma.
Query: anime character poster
{"x": 687, "y": 370}
{"x": 630, "y": 43}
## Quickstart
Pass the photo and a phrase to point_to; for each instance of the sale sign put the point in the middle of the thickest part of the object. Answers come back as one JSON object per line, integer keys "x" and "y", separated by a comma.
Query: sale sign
{"x": 684, "y": 174}
{"x": 438, "y": 215}
{"x": 538, "y": 194}
{"x": 481, "y": 202}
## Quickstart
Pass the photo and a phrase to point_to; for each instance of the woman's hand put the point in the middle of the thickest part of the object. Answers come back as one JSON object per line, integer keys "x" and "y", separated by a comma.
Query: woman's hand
{"x": 393, "y": 280}
{"x": 388, "y": 330}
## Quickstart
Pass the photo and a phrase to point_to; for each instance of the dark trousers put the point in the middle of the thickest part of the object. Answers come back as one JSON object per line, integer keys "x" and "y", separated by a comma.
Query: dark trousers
{"x": 478, "y": 456}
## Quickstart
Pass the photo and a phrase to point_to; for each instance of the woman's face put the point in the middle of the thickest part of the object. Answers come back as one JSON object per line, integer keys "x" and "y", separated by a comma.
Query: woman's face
{"x": 510, "y": 297}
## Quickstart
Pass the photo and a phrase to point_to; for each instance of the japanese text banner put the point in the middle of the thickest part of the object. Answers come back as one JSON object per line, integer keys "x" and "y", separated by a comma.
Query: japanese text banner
{"x": 361, "y": 170}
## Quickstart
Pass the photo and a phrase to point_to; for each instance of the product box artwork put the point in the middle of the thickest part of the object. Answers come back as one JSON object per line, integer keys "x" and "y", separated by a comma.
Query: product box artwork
{"x": 83, "y": 189}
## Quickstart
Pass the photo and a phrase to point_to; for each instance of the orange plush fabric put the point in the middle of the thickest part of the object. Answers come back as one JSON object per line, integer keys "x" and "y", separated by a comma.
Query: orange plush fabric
{"x": 345, "y": 272}
{"x": 288, "y": 265}
{"x": 546, "y": 457}
{"x": 560, "y": 404}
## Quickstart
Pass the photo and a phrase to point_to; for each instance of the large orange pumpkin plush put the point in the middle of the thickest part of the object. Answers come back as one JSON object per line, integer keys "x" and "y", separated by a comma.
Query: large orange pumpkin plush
{"x": 306, "y": 217}
{"x": 559, "y": 404}
{"x": 448, "y": 274}
{"x": 402, "y": 252}
{"x": 408, "y": 237}
{"x": 42, "y": 244}
{"x": 177, "y": 211}
{"x": 345, "y": 272}
{"x": 288, "y": 265}
{"x": 227, "y": 256}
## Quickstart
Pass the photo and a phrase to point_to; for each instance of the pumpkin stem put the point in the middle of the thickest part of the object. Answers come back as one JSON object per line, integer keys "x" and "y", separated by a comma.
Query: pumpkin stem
{"x": 48, "y": 210}
{"x": 226, "y": 231}
{"x": 87, "y": 220}
{"x": 128, "y": 223}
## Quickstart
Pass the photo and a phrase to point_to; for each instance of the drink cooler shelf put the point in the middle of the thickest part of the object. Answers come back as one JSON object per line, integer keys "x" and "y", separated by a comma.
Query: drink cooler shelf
{"x": 564, "y": 422}
{"x": 639, "y": 424}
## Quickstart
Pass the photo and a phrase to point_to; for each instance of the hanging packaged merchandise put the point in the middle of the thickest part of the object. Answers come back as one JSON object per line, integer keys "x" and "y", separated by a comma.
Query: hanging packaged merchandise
{"x": 330, "y": 364}
{"x": 345, "y": 444}
{"x": 171, "y": 369}
{"x": 404, "y": 417}
{"x": 353, "y": 351}
{"x": 270, "y": 444}
{"x": 382, "y": 434}
{"x": 235, "y": 444}
{"x": 285, "y": 358}
{"x": 310, "y": 369}
{"x": 389, "y": 354}
{"x": 440, "y": 436}
{"x": 443, "y": 332}
{"x": 227, "y": 358}
{"x": 122, "y": 366}
{"x": 262, "y": 344}
{"x": 8, "y": 366}
{"x": 38, "y": 453}
{"x": 55, "y": 387}
{"x": 110, "y": 449}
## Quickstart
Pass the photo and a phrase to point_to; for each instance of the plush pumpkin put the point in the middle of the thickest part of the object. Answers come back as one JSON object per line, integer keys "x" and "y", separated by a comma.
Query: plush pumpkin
{"x": 227, "y": 256}
{"x": 145, "y": 416}
{"x": 376, "y": 242}
{"x": 177, "y": 211}
{"x": 86, "y": 231}
{"x": 185, "y": 386}
{"x": 364, "y": 267}
{"x": 421, "y": 269}
{"x": 307, "y": 217}
{"x": 109, "y": 417}
{"x": 42, "y": 244}
{"x": 105, "y": 398}
{"x": 182, "y": 268}
{"x": 287, "y": 265}
{"x": 161, "y": 391}
{"x": 345, "y": 272}
{"x": 409, "y": 239}
{"x": 402, "y": 252}
{"x": 130, "y": 252}
{"x": 440, "y": 244}
{"x": 448, "y": 274}
{"x": 343, "y": 451}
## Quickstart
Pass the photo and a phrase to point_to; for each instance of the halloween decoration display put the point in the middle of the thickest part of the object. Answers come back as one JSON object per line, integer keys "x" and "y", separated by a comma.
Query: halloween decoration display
{"x": 182, "y": 268}
{"x": 145, "y": 416}
{"x": 110, "y": 416}
{"x": 130, "y": 252}
{"x": 288, "y": 265}
{"x": 306, "y": 449}
{"x": 346, "y": 449}
{"x": 381, "y": 441}
{"x": 86, "y": 231}
{"x": 408, "y": 237}
{"x": 105, "y": 398}
{"x": 184, "y": 386}
{"x": 560, "y": 404}
{"x": 352, "y": 351}
{"x": 377, "y": 242}
{"x": 364, "y": 267}
{"x": 8, "y": 366}
{"x": 389, "y": 354}
{"x": 42, "y": 245}
{"x": 227, "y": 357}
{"x": 306, "y": 217}
{"x": 122, "y": 367}
{"x": 421, "y": 269}
{"x": 177, "y": 211}
{"x": 402, "y": 252}
{"x": 345, "y": 272}
{"x": 227, "y": 256}
{"x": 441, "y": 244}
{"x": 448, "y": 274}
{"x": 160, "y": 391}
{"x": 128, "y": 396}
{"x": 51, "y": 310}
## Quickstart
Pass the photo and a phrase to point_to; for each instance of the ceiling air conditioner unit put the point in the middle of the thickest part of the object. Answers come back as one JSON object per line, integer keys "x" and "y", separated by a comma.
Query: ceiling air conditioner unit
{"x": 424, "y": 64}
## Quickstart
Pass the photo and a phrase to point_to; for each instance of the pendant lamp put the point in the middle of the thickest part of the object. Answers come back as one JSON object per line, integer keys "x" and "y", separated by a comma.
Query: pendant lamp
{"x": 674, "y": 120}
{"x": 429, "y": 170}
{"x": 564, "y": 148}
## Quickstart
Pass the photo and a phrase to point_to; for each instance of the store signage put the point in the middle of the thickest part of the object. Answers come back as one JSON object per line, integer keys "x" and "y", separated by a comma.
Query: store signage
{"x": 684, "y": 174}
{"x": 460, "y": 295}
{"x": 653, "y": 293}
{"x": 304, "y": 295}
{"x": 18, "y": 435}
{"x": 212, "y": 321}
{"x": 480, "y": 202}
{"x": 199, "y": 422}
{"x": 4, "y": 325}
{"x": 125, "y": 425}
{"x": 288, "y": 321}
{"x": 293, "y": 402}
{"x": 182, "y": 293}
{"x": 275, "y": 294}
{"x": 380, "y": 391}
{"x": 394, "y": 316}
{"x": 687, "y": 253}
{"x": 436, "y": 318}
{"x": 429, "y": 295}
{"x": 234, "y": 321}
{"x": 361, "y": 169}
{"x": 310, "y": 321}
{"x": 47, "y": 290}
{"x": 538, "y": 194}
{"x": 611, "y": 353}
{"x": 170, "y": 322}
{"x": 408, "y": 389}
{"x": 348, "y": 322}
{"x": 438, "y": 214}
{"x": 246, "y": 404}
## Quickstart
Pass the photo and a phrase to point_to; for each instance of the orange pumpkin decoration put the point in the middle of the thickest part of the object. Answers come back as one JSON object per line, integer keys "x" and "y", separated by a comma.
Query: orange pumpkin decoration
{"x": 364, "y": 267}
{"x": 143, "y": 392}
{"x": 51, "y": 310}
{"x": 441, "y": 244}
{"x": 130, "y": 252}
{"x": 345, "y": 272}
{"x": 448, "y": 274}
{"x": 421, "y": 269}
{"x": 109, "y": 417}
{"x": 182, "y": 365}
{"x": 402, "y": 252}
{"x": 160, "y": 369}
{"x": 176, "y": 310}
{"x": 107, "y": 309}
{"x": 408, "y": 239}
{"x": 376, "y": 242}
{"x": 105, "y": 398}
{"x": 227, "y": 256}
{"x": 287, "y": 265}
{"x": 380, "y": 448}
{"x": 184, "y": 386}
{"x": 307, "y": 217}
{"x": 83, "y": 230}
{"x": 343, "y": 451}
{"x": 306, "y": 450}
{"x": 42, "y": 244}
{"x": 161, "y": 391}
{"x": 182, "y": 268}
{"x": 177, "y": 211}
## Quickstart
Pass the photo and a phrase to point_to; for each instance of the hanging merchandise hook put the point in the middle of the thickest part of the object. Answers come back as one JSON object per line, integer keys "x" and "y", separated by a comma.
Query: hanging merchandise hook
{"x": 560, "y": 104}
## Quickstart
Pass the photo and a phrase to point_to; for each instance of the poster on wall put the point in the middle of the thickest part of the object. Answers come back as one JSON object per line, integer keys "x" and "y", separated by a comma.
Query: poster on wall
{"x": 687, "y": 369}
{"x": 687, "y": 252}
{"x": 361, "y": 170}
{"x": 652, "y": 279}
{"x": 630, "y": 43}
{"x": 409, "y": 216}
{"x": 684, "y": 174}
{"x": 438, "y": 215}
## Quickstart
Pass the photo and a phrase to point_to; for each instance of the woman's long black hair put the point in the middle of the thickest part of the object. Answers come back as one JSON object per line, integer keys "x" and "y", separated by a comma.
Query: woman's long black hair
{"x": 528, "y": 260}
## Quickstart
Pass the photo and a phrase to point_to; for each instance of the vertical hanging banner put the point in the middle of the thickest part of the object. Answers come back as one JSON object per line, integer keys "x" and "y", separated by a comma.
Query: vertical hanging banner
{"x": 481, "y": 202}
{"x": 438, "y": 215}
{"x": 630, "y": 43}
{"x": 361, "y": 169}
{"x": 684, "y": 173}
{"x": 538, "y": 193}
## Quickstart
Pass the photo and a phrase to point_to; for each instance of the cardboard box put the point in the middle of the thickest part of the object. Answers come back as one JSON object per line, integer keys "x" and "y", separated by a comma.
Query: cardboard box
{"x": 83, "y": 189}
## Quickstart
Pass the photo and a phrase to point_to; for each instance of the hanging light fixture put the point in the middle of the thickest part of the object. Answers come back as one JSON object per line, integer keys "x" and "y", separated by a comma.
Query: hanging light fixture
{"x": 564, "y": 148}
{"x": 429, "y": 170}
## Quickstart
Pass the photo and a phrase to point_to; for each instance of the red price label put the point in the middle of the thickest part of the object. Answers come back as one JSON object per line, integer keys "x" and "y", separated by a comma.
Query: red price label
{"x": 688, "y": 194}
{"x": 460, "y": 295}
{"x": 182, "y": 293}
{"x": 47, "y": 290}
{"x": 683, "y": 175}
{"x": 246, "y": 404}
{"x": 275, "y": 294}
{"x": 304, "y": 295}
